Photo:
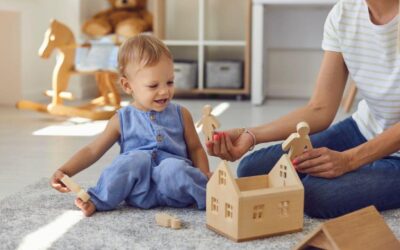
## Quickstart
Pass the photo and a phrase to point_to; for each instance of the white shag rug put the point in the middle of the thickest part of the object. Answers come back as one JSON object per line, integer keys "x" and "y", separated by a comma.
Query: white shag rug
{"x": 39, "y": 217}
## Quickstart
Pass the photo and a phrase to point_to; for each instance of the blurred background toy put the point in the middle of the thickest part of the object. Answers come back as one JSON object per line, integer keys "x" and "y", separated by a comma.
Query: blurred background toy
{"x": 125, "y": 18}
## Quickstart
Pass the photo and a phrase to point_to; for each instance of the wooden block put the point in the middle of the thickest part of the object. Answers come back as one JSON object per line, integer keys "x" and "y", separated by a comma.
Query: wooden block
{"x": 176, "y": 223}
{"x": 163, "y": 219}
{"x": 166, "y": 220}
{"x": 83, "y": 195}
{"x": 359, "y": 230}
{"x": 74, "y": 187}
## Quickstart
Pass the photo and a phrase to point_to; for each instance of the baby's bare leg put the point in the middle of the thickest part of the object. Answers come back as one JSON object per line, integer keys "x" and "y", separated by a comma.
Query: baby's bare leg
{"x": 88, "y": 208}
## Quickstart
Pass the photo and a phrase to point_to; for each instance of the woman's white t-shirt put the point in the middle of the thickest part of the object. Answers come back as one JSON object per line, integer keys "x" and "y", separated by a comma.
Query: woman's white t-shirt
{"x": 369, "y": 51}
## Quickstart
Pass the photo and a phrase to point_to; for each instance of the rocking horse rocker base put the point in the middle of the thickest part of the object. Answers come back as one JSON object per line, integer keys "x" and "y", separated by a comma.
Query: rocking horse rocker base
{"x": 60, "y": 37}
{"x": 91, "y": 111}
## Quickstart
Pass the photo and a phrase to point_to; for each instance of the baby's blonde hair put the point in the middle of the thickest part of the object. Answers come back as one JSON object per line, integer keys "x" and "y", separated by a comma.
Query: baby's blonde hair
{"x": 142, "y": 50}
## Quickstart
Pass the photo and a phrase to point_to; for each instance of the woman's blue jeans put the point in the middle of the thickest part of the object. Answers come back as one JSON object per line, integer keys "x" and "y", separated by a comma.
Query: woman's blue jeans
{"x": 376, "y": 183}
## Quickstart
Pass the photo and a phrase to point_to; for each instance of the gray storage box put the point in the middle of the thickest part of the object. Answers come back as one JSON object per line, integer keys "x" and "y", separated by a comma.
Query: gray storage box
{"x": 185, "y": 74}
{"x": 224, "y": 74}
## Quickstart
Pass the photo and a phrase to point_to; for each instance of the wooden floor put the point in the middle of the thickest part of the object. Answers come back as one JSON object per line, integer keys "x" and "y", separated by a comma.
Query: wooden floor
{"x": 26, "y": 158}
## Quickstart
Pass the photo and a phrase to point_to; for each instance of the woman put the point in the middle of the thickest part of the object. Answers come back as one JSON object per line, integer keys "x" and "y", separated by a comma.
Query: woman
{"x": 356, "y": 162}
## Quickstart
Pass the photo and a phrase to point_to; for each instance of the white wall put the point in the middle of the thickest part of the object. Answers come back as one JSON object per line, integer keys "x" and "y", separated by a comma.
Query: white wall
{"x": 291, "y": 72}
{"x": 10, "y": 61}
{"x": 293, "y": 38}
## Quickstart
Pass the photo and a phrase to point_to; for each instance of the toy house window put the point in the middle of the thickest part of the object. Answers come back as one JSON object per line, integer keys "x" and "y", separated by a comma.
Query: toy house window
{"x": 284, "y": 208}
{"x": 221, "y": 177}
{"x": 282, "y": 172}
{"x": 258, "y": 212}
{"x": 214, "y": 204}
{"x": 228, "y": 210}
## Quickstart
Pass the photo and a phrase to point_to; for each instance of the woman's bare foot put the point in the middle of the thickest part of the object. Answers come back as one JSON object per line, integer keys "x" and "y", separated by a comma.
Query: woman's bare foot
{"x": 88, "y": 208}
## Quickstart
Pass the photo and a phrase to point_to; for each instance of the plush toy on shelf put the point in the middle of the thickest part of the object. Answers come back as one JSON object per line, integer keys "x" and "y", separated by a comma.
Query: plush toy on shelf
{"x": 126, "y": 18}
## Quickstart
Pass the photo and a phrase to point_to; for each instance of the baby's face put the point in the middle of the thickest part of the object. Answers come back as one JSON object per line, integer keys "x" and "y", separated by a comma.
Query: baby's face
{"x": 152, "y": 86}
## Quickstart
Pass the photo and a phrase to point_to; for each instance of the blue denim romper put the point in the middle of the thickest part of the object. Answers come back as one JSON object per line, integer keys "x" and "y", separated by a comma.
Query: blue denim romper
{"x": 153, "y": 168}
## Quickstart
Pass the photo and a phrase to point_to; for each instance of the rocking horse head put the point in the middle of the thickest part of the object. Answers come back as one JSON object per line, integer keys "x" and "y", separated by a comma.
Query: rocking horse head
{"x": 58, "y": 36}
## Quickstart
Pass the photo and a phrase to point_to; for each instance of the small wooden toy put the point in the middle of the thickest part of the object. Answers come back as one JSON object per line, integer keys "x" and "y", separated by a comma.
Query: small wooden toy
{"x": 74, "y": 187}
{"x": 359, "y": 230}
{"x": 209, "y": 122}
{"x": 255, "y": 207}
{"x": 166, "y": 220}
{"x": 298, "y": 142}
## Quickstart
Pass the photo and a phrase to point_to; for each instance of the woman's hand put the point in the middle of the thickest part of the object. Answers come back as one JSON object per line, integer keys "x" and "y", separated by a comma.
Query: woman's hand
{"x": 323, "y": 162}
{"x": 56, "y": 182}
{"x": 230, "y": 145}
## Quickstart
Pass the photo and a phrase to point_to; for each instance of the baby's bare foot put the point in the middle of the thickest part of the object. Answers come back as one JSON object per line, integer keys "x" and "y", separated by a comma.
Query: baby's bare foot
{"x": 88, "y": 208}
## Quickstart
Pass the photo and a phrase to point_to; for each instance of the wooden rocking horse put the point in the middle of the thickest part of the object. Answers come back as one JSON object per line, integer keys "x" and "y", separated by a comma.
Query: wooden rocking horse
{"x": 59, "y": 36}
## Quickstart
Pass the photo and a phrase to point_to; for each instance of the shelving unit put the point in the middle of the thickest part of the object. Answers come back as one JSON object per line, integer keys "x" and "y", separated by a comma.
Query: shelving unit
{"x": 206, "y": 43}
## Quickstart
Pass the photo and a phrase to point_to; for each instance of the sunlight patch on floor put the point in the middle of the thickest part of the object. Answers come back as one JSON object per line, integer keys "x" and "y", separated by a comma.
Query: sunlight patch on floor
{"x": 45, "y": 236}
{"x": 73, "y": 127}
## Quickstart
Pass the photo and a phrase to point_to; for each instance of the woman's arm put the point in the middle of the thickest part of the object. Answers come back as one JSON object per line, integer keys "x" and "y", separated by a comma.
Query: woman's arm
{"x": 320, "y": 110}
{"x": 383, "y": 145}
{"x": 195, "y": 149}
{"x": 318, "y": 113}
{"x": 88, "y": 154}
{"x": 327, "y": 163}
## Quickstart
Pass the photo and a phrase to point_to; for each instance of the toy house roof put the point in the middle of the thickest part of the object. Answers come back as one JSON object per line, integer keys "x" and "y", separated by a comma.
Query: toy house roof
{"x": 284, "y": 169}
{"x": 223, "y": 166}
{"x": 362, "y": 229}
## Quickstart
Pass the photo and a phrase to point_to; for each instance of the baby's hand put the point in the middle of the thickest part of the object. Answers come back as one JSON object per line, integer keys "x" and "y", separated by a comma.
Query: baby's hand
{"x": 56, "y": 182}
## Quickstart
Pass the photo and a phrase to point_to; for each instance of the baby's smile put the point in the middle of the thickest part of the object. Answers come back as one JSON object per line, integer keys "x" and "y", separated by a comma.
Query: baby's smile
{"x": 161, "y": 101}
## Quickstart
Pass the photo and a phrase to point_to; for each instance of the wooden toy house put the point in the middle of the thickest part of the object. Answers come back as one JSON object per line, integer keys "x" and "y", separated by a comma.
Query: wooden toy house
{"x": 359, "y": 230}
{"x": 255, "y": 207}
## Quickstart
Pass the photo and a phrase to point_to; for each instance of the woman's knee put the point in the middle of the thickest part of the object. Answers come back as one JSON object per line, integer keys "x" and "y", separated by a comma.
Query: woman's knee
{"x": 320, "y": 201}
{"x": 260, "y": 162}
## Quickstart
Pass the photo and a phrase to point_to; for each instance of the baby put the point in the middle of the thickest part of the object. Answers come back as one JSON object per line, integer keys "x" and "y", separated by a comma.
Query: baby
{"x": 161, "y": 161}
